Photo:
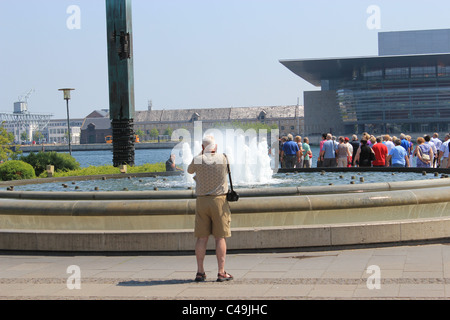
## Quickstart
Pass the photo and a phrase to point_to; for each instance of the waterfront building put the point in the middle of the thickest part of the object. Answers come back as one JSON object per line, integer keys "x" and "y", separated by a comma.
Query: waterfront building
{"x": 287, "y": 119}
{"x": 96, "y": 127}
{"x": 56, "y": 131}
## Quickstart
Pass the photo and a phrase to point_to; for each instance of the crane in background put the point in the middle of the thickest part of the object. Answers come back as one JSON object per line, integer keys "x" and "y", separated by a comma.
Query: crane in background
{"x": 21, "y": 120}
{"x": 24, "y": 98}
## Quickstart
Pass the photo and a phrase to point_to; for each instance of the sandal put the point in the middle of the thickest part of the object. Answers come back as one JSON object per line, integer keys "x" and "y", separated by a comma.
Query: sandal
{"x": 221, "y": 277}
{"x": 200, "y": 277}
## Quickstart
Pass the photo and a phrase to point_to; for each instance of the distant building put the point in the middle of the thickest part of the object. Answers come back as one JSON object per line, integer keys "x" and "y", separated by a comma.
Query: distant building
{"x": 25, "y": 126}
{"x": 56, "y": 131}
{"x": 96, "y": 127}
{"x": 404, "y": 89}
{"x": 288, "y": 119}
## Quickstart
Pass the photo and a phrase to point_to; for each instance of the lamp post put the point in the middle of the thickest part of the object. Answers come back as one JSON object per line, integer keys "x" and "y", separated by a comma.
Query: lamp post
{"x": 66, "y": 92}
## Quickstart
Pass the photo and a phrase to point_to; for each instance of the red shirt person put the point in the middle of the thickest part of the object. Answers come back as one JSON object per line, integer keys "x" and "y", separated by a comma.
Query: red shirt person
{"x": 381, "y": 153}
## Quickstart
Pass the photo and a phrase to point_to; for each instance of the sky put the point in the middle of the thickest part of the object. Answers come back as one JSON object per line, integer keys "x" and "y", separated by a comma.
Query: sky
{"x": 190, "y": 53}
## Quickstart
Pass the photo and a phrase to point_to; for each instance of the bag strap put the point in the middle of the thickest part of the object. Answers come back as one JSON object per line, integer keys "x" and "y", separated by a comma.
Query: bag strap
{"x": 420, "y": 150}
{"x": 229, "y": 172}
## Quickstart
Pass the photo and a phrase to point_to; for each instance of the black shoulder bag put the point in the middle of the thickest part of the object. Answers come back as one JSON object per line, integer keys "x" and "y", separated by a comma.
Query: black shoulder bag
{"x": 232, "y": 196}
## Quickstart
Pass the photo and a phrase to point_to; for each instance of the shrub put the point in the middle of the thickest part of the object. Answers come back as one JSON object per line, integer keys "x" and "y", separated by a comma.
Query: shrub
{"x": 109, "y": 169}
{"x": 62, "y": 162}
{"x": 16, "y": 170}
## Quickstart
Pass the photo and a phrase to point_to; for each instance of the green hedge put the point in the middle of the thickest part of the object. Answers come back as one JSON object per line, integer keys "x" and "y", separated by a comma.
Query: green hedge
{"x": 62, "y": 162}
{"x": 16, "y": 170}
{"x": 109, "y": 169}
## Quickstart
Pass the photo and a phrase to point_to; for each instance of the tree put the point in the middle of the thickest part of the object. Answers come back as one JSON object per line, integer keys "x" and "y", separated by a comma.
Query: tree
{"x": 168, "y": 131}
{"x": 38, "y": 136}
{"x": 139, "y": 133}
{"x": 7, "y": 151}
{"x": 154, "y": 132}
{"x": 247, "y": 125}
{"x": 24, "y": 136}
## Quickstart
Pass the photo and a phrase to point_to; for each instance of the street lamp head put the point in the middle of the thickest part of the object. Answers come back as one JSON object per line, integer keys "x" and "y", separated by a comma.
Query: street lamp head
{"x": 66, "y": 93}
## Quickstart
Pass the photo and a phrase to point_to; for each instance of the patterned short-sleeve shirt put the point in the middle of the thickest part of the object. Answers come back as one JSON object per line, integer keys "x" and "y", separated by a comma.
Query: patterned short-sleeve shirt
{"x": 211, "y": 174}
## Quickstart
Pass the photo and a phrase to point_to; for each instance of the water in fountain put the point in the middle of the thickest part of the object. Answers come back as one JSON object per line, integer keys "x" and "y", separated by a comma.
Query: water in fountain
{"x": 251, "y": 165}
{"x": 249, "y": 157}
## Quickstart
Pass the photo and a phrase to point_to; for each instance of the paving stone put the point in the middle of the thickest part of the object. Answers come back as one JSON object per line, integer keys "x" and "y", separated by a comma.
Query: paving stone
{"x": 406, "y": 272}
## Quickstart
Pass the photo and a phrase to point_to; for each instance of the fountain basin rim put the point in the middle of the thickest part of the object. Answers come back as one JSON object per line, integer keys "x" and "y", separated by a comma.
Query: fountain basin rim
{"x": 244, "y": 192}
{"x": 250, "y": 205}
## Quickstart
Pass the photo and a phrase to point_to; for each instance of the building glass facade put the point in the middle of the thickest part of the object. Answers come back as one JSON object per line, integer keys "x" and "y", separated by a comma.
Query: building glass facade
{"x": 396, "y": 99}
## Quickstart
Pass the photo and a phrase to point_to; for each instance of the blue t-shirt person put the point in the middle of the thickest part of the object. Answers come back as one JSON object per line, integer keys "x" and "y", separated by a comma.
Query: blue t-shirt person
{"x": 398, "y": 154}
{"x": 290, "y": 148}
{"x": 405, "y": 144}
{"x": 329, "y": 149}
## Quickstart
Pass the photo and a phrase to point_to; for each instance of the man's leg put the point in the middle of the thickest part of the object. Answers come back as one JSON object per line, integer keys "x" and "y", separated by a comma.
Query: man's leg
{"x": 221, "y": 252}
{"x": 200, "y": 252}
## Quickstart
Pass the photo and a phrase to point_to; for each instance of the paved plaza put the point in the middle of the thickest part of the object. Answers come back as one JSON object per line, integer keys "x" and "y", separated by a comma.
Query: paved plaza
{"x": 416, "y": 271}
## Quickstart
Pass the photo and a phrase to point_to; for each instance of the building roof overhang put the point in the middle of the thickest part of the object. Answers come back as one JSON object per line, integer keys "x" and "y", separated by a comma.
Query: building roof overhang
{"x": 316, "y": 70}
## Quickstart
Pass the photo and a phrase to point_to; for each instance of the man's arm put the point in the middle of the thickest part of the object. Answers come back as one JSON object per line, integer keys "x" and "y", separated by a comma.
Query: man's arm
{"x": 191, "y": 167}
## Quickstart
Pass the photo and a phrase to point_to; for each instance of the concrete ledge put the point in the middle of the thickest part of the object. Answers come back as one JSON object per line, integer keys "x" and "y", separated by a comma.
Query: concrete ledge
{"x": 242, "y": 238}
{"x": 248, "y": 205}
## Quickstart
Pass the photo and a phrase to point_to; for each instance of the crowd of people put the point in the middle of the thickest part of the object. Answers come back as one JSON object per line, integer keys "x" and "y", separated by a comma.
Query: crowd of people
{"x": 368, "y": 151}
{"x": 295, "y": 152}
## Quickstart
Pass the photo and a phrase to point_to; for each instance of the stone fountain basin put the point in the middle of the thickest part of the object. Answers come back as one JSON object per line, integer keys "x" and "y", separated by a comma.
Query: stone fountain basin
{"x": 294, "y": 217}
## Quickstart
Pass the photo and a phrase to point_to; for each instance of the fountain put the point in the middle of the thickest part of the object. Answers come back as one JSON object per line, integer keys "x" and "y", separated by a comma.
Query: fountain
{"x": 163, "y": 220}
{"x": 267, "y": 215}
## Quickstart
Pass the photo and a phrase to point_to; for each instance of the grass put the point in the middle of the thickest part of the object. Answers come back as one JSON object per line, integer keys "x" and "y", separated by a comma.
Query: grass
{"x": 108, "y": 169}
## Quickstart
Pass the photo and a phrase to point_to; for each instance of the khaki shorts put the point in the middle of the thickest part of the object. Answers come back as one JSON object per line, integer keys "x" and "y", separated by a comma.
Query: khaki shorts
{"x": 212, "y": 216}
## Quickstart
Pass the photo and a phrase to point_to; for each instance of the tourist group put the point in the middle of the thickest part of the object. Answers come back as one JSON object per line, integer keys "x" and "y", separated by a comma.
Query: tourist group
{"x": 368, "y": 151}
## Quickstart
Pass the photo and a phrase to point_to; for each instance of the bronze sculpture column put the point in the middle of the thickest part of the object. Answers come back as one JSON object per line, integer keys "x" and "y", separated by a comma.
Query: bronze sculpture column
{"x": 121, "y": 80}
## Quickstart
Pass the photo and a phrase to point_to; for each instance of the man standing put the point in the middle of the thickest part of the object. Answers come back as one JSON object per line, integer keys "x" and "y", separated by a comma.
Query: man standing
{"x": 433, "y": 149}
{"x": 444, "y": 152}
{"x": 437, "y": 143}
{"x": 342, "y": 153}
{"x": 435, "y": 139}
{"x": 350, "y": 148}
{"x": 405, "y": 143}
{"x": 328, "y": 153}
{"x": 398, "y": 155}
{"x": 381, "y": 153}
{"x": 355, "y": 144}
{"x": 307, "y": 153}
{"x": 212, "y": 212}
{"x": 290, "y": 153}
{"x": 387, "y": 141}
{"x": 170, "y": 164}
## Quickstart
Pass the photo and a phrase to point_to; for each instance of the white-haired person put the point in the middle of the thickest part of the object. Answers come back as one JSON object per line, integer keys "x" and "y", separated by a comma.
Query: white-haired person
{"x": 212, "y": 212}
